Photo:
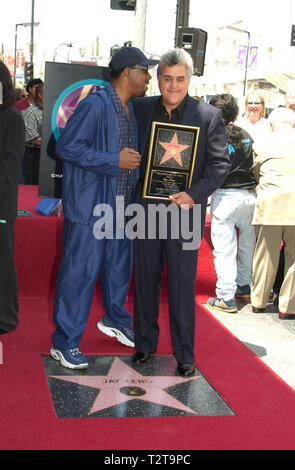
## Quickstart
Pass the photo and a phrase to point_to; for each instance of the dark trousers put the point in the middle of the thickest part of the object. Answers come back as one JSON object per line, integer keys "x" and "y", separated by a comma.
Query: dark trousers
{"x": 30, "y": 165}
{"x": 181, "y": 265}
{"x": 8, "y": 278}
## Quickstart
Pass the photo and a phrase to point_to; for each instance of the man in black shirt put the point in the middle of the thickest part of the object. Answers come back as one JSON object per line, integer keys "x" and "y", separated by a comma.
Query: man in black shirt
{"x": 212, "y": 163}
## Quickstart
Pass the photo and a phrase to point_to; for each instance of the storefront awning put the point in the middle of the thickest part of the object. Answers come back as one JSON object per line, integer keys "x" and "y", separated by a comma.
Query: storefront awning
{"x": 284, "y": 81}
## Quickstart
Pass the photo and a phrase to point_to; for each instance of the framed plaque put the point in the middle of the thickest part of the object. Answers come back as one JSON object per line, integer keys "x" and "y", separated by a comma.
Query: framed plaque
{"x": 171, "y": 159}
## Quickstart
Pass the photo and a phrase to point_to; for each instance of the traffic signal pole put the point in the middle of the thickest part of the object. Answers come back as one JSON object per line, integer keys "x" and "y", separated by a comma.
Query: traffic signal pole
{"x": 140, "y": 24}
{"x": 182, "y": 17}
{"x": 32, "y": 34}
{"x": 182, "y": 20}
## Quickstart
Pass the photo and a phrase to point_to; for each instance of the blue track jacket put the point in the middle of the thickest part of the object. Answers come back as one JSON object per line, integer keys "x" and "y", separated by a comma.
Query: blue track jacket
{"x": 89, "y": 148}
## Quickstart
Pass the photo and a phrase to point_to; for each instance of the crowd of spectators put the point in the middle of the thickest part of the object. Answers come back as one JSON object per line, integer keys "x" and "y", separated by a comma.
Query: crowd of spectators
{"x": 253, "y": 235}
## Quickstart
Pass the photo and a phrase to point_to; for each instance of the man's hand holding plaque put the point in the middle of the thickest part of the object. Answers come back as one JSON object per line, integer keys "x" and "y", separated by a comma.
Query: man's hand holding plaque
{"x": 183, "y": 200}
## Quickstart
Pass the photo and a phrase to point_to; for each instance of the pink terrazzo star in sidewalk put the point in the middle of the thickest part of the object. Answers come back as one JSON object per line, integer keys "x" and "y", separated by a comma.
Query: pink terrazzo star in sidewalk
{"x": 122, "y": 384}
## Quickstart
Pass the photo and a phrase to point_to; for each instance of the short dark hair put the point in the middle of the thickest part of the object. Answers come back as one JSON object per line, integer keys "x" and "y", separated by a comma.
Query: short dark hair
{"x": 33, "y": 82}
{"x": 116, "y": 73}
{"x": 230, "y": 110}
{"x": 7, "y": 86}
{"x": 228, "y": 105}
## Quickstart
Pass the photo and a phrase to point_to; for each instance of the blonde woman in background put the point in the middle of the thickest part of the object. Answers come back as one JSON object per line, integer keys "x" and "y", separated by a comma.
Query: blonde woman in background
{"x": 254, "y": 120}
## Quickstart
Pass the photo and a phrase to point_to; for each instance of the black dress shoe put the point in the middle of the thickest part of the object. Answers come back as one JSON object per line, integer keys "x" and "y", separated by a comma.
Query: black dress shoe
{"x": 3, "y": 332}
{"x": 186, "y": 369}
{"x": 286, "y": 316}
{"x": 141, "y": 357}
{"x": 258, "y": 309}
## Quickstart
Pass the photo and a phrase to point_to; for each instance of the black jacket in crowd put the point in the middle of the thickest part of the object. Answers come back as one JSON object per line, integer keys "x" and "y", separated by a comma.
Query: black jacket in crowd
{"x": 12, "y": 145}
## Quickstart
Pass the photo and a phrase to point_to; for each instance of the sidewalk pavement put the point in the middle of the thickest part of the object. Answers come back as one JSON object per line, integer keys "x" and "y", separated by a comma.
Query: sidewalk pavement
{"x": 271, "y": 339}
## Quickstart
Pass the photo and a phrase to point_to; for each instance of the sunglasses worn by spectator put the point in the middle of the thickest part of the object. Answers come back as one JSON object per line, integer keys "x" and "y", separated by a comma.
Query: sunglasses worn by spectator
{"x": 141, "y": 67}
{"x": 254, "y": 102}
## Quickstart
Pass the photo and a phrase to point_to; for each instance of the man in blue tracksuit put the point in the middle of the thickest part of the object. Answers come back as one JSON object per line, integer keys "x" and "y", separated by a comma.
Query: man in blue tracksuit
{"x": 99, "y": 150}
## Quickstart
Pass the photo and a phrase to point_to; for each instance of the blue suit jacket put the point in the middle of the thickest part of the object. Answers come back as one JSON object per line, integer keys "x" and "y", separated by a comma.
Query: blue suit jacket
{"x": 212, "y": 159}
{"x": 89, "y": 147}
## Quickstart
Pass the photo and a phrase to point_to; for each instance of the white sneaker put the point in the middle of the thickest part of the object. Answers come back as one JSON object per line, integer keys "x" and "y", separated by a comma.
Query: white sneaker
{"x": 123, "y": 335}
{"x": 70, "y": 358}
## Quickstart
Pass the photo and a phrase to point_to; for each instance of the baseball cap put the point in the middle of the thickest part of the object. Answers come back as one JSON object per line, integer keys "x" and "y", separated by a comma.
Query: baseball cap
{"x": 33, "y": 82}
{"x": 129, "y": 56}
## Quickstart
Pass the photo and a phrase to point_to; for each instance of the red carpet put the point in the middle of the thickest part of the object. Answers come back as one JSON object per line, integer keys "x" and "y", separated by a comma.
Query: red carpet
{"x": 263, "y": 404}
{"x": 38, "y": 242}
{"x": 38, "y": 247}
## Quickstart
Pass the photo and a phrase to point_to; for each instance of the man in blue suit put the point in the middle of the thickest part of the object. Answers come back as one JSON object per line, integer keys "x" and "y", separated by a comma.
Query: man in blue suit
{"x": 99, "y": 150}
{"x": 212, "y": 164}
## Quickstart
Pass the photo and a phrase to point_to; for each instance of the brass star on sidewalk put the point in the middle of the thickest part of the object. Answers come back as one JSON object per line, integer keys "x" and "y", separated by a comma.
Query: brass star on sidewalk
{"x": 122, "y": 384}
{"x": 173, "y": 150}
